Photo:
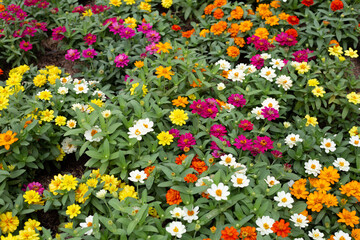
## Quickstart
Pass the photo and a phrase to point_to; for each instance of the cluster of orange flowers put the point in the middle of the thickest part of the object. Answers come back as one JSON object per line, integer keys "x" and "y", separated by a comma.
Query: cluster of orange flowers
{"x": 317, "y": 199}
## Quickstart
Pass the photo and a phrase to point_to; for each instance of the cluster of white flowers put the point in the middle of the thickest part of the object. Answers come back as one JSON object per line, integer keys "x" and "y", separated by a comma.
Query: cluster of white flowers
{"x": 188, "y": 214}
{"x": 141, "y": 127}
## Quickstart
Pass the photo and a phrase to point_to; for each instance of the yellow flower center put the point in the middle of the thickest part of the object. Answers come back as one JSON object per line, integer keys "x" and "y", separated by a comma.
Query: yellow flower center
{"x": 284, "y": 200}
{"x": 175, "y": 229}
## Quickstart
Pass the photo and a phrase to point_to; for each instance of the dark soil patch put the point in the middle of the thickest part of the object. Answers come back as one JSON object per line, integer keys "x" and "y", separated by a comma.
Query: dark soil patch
{"x": 49, "y": 220}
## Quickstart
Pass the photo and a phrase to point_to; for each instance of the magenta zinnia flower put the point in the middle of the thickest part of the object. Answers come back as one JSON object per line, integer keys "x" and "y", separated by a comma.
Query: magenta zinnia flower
{"x": 237, "y": 100}
{"x": 43, "y": 4}
{"x": 36, "y": 186}
{"x": 186, "y": 140}
{"x": 144, "y": 28}
{"x": 127, "y": 33}
{"x": 262, "y": 45}
{"x": 72, "y": 55}
{"x": 241, "y": 142}
{"x": 174, "y": 132}
{"x": 218, "y": 130}
{"x": 270, "y": 113}
{"x": 197, "y": 106}
{"x": 252, "y": 39}
{"x": 121, "y": 60}
{"x": 89, "y": 53}
{"x": 246, "y": 125}
{"x": 285, "y": 39}
{"x": 263, "y": 143}
{"x": 257, "y": 61}
{"x": 90, "y": 39}
{"x": 26, "y": 46}
{"x": 151, "y": 49}
{"x": 276, "y": 154}
{"x": 153, "y": 36}
{"x": 116, "y": 28}
{"x": 57, "y": 33}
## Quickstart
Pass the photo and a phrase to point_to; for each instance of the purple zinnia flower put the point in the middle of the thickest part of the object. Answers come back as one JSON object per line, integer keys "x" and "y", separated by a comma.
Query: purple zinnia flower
{"x": 237, "y": 100}
{"x": 144, "y": 28}
{"x": 89, "y": 53}
{"x": 121, "y": 60}
{"x": 72, "y": 55}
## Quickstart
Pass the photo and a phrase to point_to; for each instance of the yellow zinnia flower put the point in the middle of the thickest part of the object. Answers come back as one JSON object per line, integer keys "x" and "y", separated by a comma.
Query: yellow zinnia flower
{"x": 73, "y": 210}
{"x": 318, "y": 91}
{"x": 178, "y": 117}
{"x": 32, "y": 197}
{"x": 165, "y": 138}
{"x": 8, "y": 222}
{"x": 68, "y": 182}
{"x": 311, "y": 120}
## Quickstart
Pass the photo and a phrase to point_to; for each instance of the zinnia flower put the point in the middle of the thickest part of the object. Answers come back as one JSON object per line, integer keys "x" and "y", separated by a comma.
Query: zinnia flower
{"x": 281, "y": 228}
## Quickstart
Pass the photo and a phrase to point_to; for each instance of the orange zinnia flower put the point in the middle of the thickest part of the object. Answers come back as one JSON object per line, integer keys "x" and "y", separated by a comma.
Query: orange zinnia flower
{"x": 245, "y": 26}
{"x": 349, "y": 218}
{"x": 329, "y": 174}
{"x": 355, "y": 233}
{"x": 281, "y": 228}
{"x": 239, "y": 41}
{"x": 218, "y": 28}
{"x": 330, "y": 200}
{"x": 298, "y": 189}
{"x": 284, "y": 16}
{"x": 188, "y": 34}
{"x": 2, "y": 8}
{"x": 229, "y": 233}
{"x": 237, "y": 13}
{"x": 8, "y": 138}
{"x": 272, "y": 21}
{"x": 180, "y": 159}
{"x": 1, "y": 72}
{"x": 248, "y": 233}
{"x": 180, "y": 101}
{"x": 163, "y": 47}
{"x": 198, "y": 165}
{"x": 149, "y": 170}
{"x": 233, "y": 51}
{"x": 219, "y": 3}
{"x": 315, "y": 201}
{"x": 173, "y": 197}
{"x": 275, "y": 4}
{"x": 209, "y": 8}
{"x": 234, "y": 29}
{"x": 334, "y": 42}
{"x": 190, "y": 178}
{"x": 292, "y": 32}
{"x": 218, "y": 13}
{"x": 164, "y": 72}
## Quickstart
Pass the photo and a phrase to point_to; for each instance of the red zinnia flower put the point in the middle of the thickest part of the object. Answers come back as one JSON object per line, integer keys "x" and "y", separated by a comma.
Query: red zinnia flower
{"x": 281, "y": 228}
{"x": 307, "y": 3}
{"x": 1, "y": 72}
{"x": 336, "y": 5}
{"x": 190, "y": 178}
{"x": 229, "y": 233}
{"x": 293, "y": 20}
{"x": 173, "y": 197}
{"x": 292, "y": 32}
{"x": 176, "y": 27}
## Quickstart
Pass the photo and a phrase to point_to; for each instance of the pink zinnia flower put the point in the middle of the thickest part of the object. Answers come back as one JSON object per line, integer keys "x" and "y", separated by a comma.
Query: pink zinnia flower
{"x": 26, "y": 46}
{"x": 263, "y": 143}
{"x": 241, "y": 142}
{"x": 121, "y": 60}
{"x": 197, "y": 106}
{"x": 186, "y": 141}
{"x": 89, "y": 53}
{"x": 269, "y": 113}
{"x": 246, "y": 125}
{"x": 116, "y": 28}
{"x": 57, "y": 33}
{"x": 144, "y": 28}
{"x": 151, "y": 49}
{"x": 21, "y": 15}
{"x": 43, "y": 4}
{"x": 72, "y": 55}
{"x": 90, "y": 39}
{"x": 127, "y": 33}
{"x": 209, "y": 111}
{"x": 218, "y": 130}
{"x": 257, "y": 61}
{"x": 54, "y": 10}
{"x": 262, "y": 45}
{"x": 237, "y": 100}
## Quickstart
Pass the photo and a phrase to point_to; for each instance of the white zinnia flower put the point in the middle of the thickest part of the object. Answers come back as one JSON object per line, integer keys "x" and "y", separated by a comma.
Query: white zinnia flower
{"x": 67, "y": 145}
{"x": 81, "y": 88}
{"x": 71, "y": 123}
{"x": 284, "y": 81}
{"x": 268, "y": 73}
{"x": 176, "y": 229}
{"x": 219, "y": 192}
{"x": 224, "y": 65}
{"x": 328, "y": 145}
{"x": 316, "y": 234}
{"x": 89, "y": 134}
{"x": 355, "y": 141}
{"x": 100, "y": 95}
{"x": 342, "y": 164}
{"x": 265, "y": 56}
{"x": 191, "y": 214}
{"x": 241, "y": 66}
{"x": 294, "y": 64}
{"x": 146, "y": 124}
{"x": 106, "y": 113}
{"x": 313, "y": 167}
{"x": 241, "y": 168}
{"x": 177, "y": 212}
{"x": 299, "y": 220}
{"x": 236, "y": 75}
{"x": 271, "y": 102}
{"x": 258, "y": 113}
{"x": 136, "y": 132}
{"x": 284, "y": 199}
{"x": 271, "y": 181}
{"x": 63, "y": 90}
{"x": 228, "y": 107}
{"x": 88, "y": 223}
{"x": 292, "y": 139}
{"x": 277, "y": 63}
{"x": 65, "y": 80}
{"x": 250, "y": 69}
{"x": 101, "y": 194}
{"x": 240, "y": 180}
{"x": 220, "y": 86}
{"x": 264, "y": 225}
{"x": 340, "y": 235}
{"x": 137, "y": 176}
{"x": 227, "y": 160}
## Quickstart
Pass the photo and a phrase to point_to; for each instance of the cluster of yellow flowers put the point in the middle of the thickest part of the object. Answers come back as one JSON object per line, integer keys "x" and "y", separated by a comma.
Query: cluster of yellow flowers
{"x": 145, "y": 6}
{"x": 317, "y": 91}
{"x": 13, "y": 85}
{"x": 9, "y": 224}
{"x": 50, "y": 74}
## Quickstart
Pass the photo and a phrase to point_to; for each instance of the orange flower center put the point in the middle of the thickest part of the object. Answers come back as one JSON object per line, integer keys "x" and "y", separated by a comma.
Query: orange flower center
{"x": 175, "y": 229}
{"x": 89, "y": 224}
{"x": 190, "y": 213}
{"x": 327, "y": 144}
{"x": 93, "y": 132}
{"x": 239, "y": 180}
{"x": 266, "y": 226}
{"x": 137, "y": 132}
{"x": 284, "y": 200}
{"x": 7, "y": 138}
{"x": 228, "y": 159}
{"x": 218, "y": 192}
{"x": 313, "y": 166}
{"x": 293, "y": 139}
